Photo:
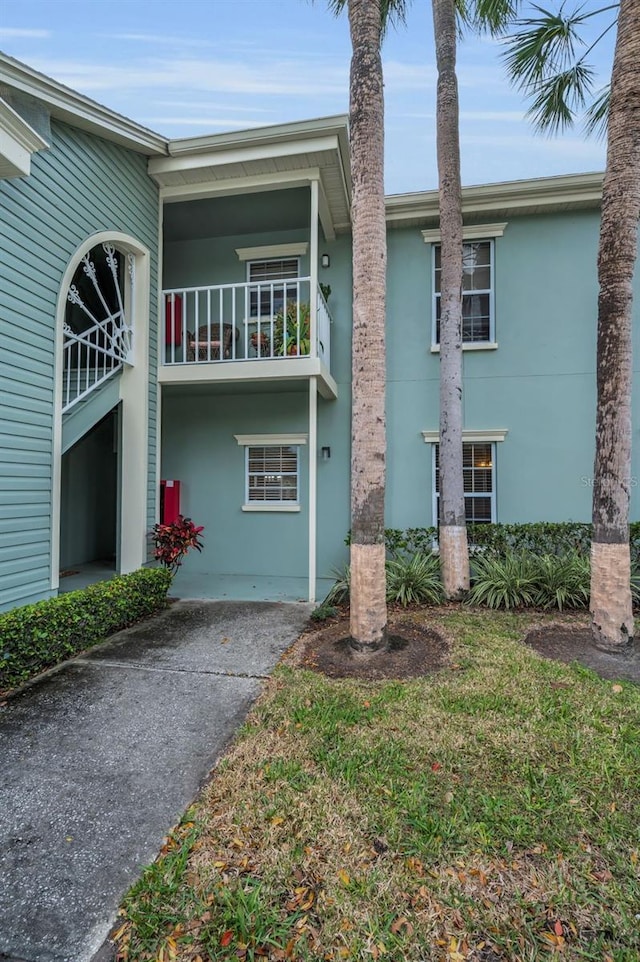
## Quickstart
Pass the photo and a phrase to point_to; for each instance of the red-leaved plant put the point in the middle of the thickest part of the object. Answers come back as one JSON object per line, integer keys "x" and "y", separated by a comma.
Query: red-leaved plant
{"x": 173, "y": 541}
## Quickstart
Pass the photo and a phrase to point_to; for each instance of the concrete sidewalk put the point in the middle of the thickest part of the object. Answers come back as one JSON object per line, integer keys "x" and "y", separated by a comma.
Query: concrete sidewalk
{"x": 100, "y": 758}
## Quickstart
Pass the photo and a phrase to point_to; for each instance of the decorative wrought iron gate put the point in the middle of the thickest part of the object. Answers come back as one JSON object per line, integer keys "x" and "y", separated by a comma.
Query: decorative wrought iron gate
{"x": 98, "y": 334}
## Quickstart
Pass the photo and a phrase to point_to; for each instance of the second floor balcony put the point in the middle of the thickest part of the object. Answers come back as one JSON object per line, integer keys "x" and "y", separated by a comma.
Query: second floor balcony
{"x": 244, "y": 332}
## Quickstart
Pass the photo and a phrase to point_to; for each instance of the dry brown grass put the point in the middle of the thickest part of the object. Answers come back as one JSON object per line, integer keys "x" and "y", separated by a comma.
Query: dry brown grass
{"x": 489, "y": 812}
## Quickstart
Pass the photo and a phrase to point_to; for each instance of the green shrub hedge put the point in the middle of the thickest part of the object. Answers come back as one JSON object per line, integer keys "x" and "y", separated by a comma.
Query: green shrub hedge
{"x": 38, "y": 636}
{"x": 542, "y": 537}
{"x": 527, "y": 579}
{"x": 544, "y": 565}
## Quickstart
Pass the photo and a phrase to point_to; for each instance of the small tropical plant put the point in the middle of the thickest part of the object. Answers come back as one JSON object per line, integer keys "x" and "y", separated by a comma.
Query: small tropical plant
{"x": 323, "y": 612}
{"x": 562, "y": 581}
{"x": 409, "y": 580}
{"x": 340, "y": 590}
{"x": 414, "y": 580}
{"x": 635, "y": 584}
{"x": 503, "y": 582}
{"x": 292, "y": 330}
{"x": 173, "y": 541}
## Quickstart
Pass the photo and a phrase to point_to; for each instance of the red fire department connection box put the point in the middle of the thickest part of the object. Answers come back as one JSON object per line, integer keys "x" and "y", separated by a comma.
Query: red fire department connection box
{"x": 169, "y": 501}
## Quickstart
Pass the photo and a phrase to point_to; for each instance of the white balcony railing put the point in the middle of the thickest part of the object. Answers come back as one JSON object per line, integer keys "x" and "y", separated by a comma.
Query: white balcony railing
{"x": 245, "y": 322}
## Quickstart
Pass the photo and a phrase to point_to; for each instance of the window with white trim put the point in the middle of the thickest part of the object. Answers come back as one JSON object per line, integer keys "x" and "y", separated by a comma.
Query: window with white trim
{"x": 271, "y": 471}
{"x": 478, "y": 323}
{"x": 272, "y": 474}
{"x": 478, "y": 468}
{"x": 270, "y": 276}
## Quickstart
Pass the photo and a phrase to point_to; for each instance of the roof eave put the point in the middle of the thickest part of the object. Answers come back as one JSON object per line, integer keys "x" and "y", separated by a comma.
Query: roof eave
{"x": 80, "y": 111}
{"x": 548, "y": 193}
{"x": 258, "y": 136}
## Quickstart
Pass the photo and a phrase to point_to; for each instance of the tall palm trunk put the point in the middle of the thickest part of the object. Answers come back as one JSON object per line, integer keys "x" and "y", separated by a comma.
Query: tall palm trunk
{"x": 368, "y": 438}
{"x": 611, "y": 606}
{"x": 454, "y": 551}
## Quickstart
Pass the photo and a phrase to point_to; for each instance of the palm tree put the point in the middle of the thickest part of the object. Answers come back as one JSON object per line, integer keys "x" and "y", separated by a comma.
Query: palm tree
{"x": 542, "y": 59}
{"x": 368, "y": 21}
{"x": 452, "y": 535}
{"x": 483, "y": 15}
{"x": 368, "y": 608}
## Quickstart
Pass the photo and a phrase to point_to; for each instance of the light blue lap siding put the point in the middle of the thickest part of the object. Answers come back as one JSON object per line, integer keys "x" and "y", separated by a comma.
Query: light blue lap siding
{"x": 80, "y": 186}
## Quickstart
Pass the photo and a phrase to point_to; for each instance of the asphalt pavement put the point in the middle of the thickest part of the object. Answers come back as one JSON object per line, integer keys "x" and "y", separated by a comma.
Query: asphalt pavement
{"x": 100, "y": 757}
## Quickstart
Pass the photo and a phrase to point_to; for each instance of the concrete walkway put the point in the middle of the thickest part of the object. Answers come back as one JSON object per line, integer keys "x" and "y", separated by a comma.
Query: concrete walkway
{"x": 99, "y": 758}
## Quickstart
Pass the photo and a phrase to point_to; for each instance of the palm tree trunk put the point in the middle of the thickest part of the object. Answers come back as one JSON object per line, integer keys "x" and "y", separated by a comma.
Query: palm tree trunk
{"x": 611, "y": 605}
{"x": 454, "y": 551}
{"x": 368, "y": 617}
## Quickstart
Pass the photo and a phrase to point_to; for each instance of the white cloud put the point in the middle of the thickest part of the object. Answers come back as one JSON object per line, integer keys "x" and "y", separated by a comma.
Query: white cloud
{"x": 190, "y": 105}
{"x": 210, "y": 122}
{"x": 490, "y": 116}
{"x": 156, "y": 38}
{"x": 408, "y": 76}
{"x": 293, "y": 78}
{"x": 11, "y": 33}
{"x": 419, "y": 76}
{"x": 583, "y": 150}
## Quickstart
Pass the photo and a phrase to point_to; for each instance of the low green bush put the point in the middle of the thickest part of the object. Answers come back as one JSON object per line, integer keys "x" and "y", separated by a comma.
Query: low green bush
{"x": 410, "y": 580}
{"x": 414, "y": 580}
{"x": 507, "y": 581}
{"x": 339, "y": 592}
{"x": 39, "y": 636}
{"x": 525, "y": 579}
{"x": 562, "y": 581}
{"x": 323, "y": 612}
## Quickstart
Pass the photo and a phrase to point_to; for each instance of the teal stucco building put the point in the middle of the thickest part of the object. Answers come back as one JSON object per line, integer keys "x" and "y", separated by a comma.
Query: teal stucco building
{"x": 175, "y": 326}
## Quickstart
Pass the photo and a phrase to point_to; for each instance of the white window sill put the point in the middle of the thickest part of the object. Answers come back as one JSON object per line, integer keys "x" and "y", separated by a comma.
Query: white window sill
{"x": 270, "y": 507}
{"x": 471, "y": 346}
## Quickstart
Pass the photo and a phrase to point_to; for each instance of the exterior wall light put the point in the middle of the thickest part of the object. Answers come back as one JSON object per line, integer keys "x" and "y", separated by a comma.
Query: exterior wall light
{"x": 325, "y": 260}
{"x": 326, "y": 453}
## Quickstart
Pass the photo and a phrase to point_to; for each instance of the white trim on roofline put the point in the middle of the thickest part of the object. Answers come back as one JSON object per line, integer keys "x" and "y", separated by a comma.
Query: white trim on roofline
{"x": 537, "y": 194}
{"x": 540, "y": 193}
{"x": 74, "y": 108}
{"x": 18, "y": 141}
{"x": 254, "y": 136}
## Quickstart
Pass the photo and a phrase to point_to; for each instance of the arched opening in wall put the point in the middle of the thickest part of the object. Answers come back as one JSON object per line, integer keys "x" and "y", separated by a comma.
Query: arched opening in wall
{"x": 89, "y": 508}
{"x": 101, "y": 446}
{"x": 97, "y": 326}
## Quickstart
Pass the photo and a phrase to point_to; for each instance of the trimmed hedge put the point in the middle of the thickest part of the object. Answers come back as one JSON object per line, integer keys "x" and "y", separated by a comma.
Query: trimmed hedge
{"x": 39, "y": 636}
{"x": 542, "y": 537}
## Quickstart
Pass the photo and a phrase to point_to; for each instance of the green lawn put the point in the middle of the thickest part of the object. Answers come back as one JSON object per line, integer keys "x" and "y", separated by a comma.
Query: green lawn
{"x": 489, "y": 812}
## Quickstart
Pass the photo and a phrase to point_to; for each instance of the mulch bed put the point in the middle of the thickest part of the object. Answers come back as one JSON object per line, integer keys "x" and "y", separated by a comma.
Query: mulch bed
{"x": 413, "y": 651}
{"x": 576, "y": 645}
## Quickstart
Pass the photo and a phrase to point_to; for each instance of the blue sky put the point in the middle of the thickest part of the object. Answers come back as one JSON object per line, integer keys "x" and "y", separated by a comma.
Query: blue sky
{"x": 203, "y": 66}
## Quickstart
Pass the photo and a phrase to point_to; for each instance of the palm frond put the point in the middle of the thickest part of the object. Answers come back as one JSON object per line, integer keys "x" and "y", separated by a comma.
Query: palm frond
{"x": 543, "y": 47}
{"x": 598, "y": 115}
{"x": 393, "y": 12}
{"x": 492, "y": 16}
{"x": 558, "y": 99}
